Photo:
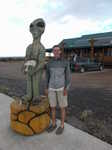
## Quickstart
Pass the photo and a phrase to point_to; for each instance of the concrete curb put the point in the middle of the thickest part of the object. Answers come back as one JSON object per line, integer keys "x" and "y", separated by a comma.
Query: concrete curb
{"x": 71, "y": 139}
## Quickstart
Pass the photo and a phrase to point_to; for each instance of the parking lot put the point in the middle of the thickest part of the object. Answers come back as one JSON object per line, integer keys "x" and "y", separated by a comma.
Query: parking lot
{"x": 89, "y": 91}
{"x": 93, "y": 91}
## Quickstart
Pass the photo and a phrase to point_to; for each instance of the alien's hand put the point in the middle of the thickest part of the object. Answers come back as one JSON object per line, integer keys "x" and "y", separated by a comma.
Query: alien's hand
{"x": 30, "y": 71}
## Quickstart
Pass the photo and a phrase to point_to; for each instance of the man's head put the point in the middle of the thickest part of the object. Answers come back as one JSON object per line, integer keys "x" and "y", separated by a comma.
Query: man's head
{"x": 57, "y": 51}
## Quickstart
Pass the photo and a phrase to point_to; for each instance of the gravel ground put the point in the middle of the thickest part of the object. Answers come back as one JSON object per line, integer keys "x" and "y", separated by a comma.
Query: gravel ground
{"x": 90, "y": 97}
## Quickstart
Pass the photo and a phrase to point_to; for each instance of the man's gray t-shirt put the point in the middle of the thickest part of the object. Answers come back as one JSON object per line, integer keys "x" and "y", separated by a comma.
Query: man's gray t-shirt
{"x": 58, "y": 73}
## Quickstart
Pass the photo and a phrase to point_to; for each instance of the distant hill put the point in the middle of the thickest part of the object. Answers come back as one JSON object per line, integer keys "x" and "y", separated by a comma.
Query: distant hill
{"x": 11, "y": 58}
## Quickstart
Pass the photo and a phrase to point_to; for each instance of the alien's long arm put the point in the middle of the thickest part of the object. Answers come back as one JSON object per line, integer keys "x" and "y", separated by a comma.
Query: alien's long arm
{"x": 28, "y": 53}
{"x": 27, "y": 57}
{"x": 41, "y": 62}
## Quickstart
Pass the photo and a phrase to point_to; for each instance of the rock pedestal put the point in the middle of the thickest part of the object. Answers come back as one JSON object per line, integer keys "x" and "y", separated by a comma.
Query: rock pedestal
{"x": 29, "y": 120}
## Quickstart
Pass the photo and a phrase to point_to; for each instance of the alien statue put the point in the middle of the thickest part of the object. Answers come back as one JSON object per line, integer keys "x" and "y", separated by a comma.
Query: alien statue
{"x": 34, "y": 62}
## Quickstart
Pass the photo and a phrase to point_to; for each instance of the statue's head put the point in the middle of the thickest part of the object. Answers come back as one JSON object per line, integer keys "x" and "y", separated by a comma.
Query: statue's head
{"x": 37, "y": 28}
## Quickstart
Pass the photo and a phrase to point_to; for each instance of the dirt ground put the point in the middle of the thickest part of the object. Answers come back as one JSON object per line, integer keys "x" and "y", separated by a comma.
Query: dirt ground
{"x": 90, "y": 97}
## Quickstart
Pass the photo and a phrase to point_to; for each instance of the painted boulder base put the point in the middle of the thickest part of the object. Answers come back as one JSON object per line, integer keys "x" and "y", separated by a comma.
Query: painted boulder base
{"x": 29, "y": 120}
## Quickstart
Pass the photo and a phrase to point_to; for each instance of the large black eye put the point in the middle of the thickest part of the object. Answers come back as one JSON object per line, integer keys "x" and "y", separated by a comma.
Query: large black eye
{"x": 40, "y": 24}
{"x": 31, "y": 25}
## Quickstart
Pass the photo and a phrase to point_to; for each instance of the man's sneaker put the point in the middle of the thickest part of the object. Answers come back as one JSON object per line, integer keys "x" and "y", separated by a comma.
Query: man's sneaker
{"x": 59, "y": 130}
{"x": 51, "y": 128}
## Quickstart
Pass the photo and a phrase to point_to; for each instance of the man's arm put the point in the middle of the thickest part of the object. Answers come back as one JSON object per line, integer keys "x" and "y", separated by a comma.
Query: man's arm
{"x": 47, "y": 76}
{"x": 47, "y": 79}
{"x": 67, "y": 79}
{"x": 67, "y": 75}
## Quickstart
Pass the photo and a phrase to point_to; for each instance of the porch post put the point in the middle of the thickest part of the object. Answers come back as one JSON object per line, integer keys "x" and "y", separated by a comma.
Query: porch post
{"x": 92, "y": 48}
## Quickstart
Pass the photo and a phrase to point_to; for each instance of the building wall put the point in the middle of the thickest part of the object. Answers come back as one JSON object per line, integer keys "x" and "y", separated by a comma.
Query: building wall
{"x": 101, "y": 54}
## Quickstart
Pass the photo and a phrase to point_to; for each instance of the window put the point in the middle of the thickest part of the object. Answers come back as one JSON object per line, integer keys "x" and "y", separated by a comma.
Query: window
{"x": 108, "y": 52}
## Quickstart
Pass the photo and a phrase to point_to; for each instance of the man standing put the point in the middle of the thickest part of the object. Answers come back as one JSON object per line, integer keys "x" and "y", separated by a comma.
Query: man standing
{"x": 58, "y": 79}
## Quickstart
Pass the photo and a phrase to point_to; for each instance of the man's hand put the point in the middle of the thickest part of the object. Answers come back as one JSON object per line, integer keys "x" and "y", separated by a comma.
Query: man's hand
{"x": 65, "y": 92}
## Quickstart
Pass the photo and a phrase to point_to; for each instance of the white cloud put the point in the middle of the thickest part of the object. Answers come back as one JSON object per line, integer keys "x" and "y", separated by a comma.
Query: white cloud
{"x": 70, "y": 27}
{"x": 16, "y": 15}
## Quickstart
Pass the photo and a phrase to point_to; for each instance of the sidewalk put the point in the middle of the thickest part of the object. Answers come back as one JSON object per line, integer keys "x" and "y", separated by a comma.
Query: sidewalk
{"x": 71, "y": 139}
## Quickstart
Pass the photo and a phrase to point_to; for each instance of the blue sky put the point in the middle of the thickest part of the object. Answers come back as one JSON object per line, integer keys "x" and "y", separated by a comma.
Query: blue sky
{"x": 64, "y": 19}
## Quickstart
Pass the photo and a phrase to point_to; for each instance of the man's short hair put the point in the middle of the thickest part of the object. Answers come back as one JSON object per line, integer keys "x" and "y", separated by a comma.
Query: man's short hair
{"x": 56, "y": 46}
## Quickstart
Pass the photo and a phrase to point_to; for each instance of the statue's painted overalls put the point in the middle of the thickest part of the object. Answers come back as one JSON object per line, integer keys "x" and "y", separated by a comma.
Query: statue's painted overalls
{"x": 36, "y": 53}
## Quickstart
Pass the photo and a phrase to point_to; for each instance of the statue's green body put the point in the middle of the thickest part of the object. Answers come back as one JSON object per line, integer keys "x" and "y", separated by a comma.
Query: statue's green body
{"x": 35, "y": 52}
{"x": 34, "y": 74}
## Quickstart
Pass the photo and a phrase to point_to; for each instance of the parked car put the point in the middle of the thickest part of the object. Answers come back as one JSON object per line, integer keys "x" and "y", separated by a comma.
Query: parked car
{"x": 86, "y": 64}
